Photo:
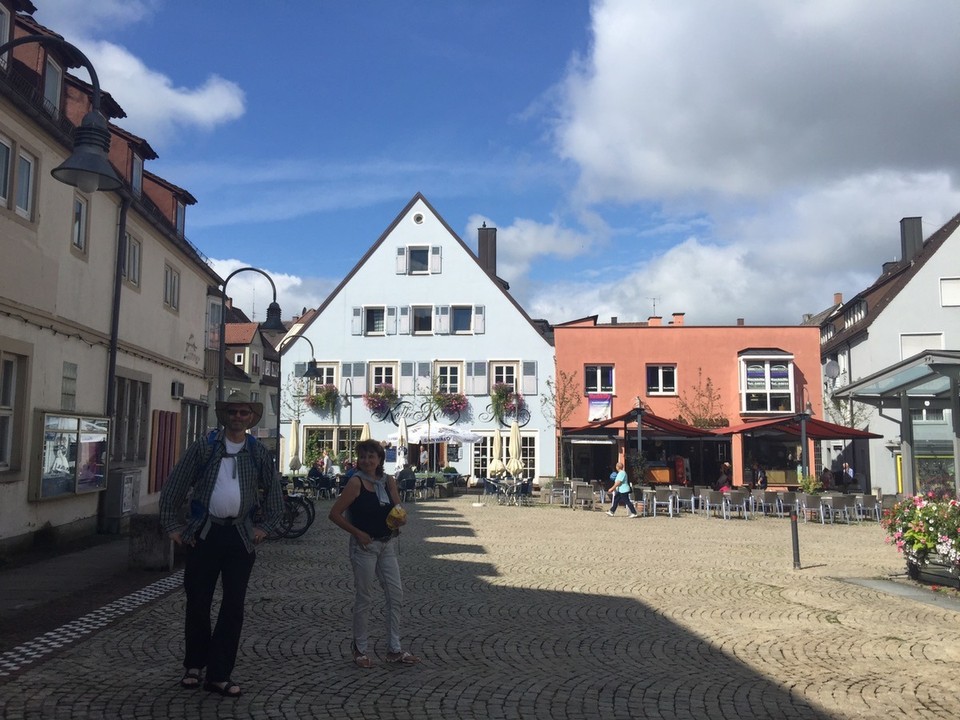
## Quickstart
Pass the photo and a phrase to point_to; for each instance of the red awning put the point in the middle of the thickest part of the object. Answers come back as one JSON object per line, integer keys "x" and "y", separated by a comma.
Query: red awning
{"x": 816, "y": 429}
{"x": 653, "y": 423}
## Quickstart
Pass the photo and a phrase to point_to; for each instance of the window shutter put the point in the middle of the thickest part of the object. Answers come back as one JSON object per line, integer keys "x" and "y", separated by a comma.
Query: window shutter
{"x": 357, "y": 372}
{"x": 356, "y": 328}
{"x": 406, "y": 378}
{"x": 404, "y": 326}
{"x": 529, "y": 383}
{"x": 424, "y": 384}
{"x": 476, "y": 383}
{"x": 479, "y": 325}
{"x": 441, "y": 319}
{"x": 401, "y": 261}
{"x": 390, "y": 327}
{"x": 435, "y": 259}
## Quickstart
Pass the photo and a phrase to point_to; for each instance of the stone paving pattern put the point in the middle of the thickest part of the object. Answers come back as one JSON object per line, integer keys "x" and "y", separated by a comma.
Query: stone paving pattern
{"x": 546, "y": 612}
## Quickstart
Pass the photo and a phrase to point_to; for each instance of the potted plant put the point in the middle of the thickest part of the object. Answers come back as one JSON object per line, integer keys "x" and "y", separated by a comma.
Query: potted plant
{"x": 504, "y": 401}
{"x": 450, "y": 404}
{"x": 381, "y": 399}
{"x": 926, "y": 529}
{"x": 324, "y": 400}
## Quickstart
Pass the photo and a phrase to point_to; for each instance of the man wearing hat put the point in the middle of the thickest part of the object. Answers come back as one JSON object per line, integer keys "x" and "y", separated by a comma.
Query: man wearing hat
{"x": 227, "y": 475}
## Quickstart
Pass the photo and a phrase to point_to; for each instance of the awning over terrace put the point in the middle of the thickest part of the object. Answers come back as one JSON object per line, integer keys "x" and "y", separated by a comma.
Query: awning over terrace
{"x": 652, "y": 426}
{"x": 816, "y": 429}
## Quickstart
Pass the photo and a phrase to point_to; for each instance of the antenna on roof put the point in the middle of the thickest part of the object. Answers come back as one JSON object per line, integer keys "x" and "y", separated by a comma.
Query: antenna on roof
{"x": 654, "y": 299}
{"x": 253, "y": 306}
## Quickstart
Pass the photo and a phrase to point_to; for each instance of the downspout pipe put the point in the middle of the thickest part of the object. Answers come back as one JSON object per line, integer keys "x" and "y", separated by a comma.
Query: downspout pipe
{"x": 110, "y": 409}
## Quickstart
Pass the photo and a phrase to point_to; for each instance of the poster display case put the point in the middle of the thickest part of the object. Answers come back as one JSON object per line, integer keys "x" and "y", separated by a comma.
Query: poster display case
{"x": 72, "y": 454}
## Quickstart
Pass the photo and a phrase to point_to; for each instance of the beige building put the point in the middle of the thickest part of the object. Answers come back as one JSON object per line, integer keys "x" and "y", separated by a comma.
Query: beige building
{"x": 103, "y": 370}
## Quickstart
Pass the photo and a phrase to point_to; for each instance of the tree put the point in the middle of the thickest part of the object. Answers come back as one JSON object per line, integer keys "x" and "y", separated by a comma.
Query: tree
{"x": 562, "y": 397}
{"x": 293, "y": 402}
{"x": 847, "y": 413}
{"x": 702, "y": 407}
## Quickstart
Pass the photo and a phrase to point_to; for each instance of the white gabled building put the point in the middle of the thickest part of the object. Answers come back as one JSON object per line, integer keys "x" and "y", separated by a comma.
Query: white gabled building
{"x": 422, "y": 313}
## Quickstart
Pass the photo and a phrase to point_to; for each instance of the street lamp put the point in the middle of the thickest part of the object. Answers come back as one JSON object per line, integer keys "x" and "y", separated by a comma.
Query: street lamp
{"x": 87, "y": 167}
{"x": 273, "y": 322}
{"x": 804, "y": 416}
{"x": 348, "y": 394}
{"x": 638, "y": 413}
{"x": 312, "y": 372}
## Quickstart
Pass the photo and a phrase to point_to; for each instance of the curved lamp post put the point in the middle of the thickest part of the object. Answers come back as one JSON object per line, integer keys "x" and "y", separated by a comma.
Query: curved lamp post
{"x": 638, "y": 413}
{"x": 311, "y": 372}
{"x": 87, "y": 167}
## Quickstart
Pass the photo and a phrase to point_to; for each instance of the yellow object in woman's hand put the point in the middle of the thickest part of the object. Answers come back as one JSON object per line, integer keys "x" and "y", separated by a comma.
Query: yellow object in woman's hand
{"x": 397, "y": 517}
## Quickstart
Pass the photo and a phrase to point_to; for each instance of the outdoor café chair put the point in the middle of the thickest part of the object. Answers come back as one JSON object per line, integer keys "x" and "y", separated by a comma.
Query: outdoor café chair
{"x": 663, "y": 497}
{"x": 867, "y": 506}
{"x": 735, "y": 500}
{"x": 765, "y": 501}
{"x": 786, "y": 503}
{"x": 711, "y": 499}
{"x": 582, "y": 495}
{"x": 833, "y": 506}
{"x": 684, "y": 497}
{"x": 525, "y": 492}
{"x": 811, "y": 506}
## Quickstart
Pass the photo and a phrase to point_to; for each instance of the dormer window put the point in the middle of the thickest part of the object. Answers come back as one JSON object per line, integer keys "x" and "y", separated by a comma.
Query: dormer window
{"x": 136, "y": 178}
{"x": 4, "y": 34}
{"x": 52, "y": 83}
{"x": 181, "y": 217}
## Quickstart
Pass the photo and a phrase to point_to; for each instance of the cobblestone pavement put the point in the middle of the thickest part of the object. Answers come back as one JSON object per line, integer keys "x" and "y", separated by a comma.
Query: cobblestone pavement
{"x": 539, "y": 612}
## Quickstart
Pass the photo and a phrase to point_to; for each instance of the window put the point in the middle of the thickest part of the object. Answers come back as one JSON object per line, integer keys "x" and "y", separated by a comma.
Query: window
{"x": 255, "y": 363}
{"x": 505, "y": 373}
{"x": 949, "y": 291}
{"x": 930, "y": 415}
{"x": 25, "y": 167}
{"x": 483, "y": 456}
{"x": 11, "y": 407}
{"x": 136, "y": 177}
{"x": 383, "y": 374}
{"x": 5, "y": 155}
{"x": 181, "y": 218}
{"x": 423, "y": 320}
{"x": 52, "y": 81}
{"x": 78, "y": 234}
{"x": 418, "y": 260}
{"x": 326, "y": 375}
{"x": 72, "y": 454}
{"x": 171, "y": 288}
{"x": 4, "y": 34}
{"x": 461, "y": 319}
{"x": 131, "y": 268}
{"x": 68, "y": 387}
{"x": 766, "y": 384}
{"x": 913, "y": 343}
{"x": 661, "y": 379}
{"x": 193, "y": 423}
{"x": 373, "y": 322}
{"x": 238, "y": 358}
{"x": 130, "y": 420}
{"x": 598, "y": 379}
{"x": 448, "y": 377}
{"x": 254, "y": 396}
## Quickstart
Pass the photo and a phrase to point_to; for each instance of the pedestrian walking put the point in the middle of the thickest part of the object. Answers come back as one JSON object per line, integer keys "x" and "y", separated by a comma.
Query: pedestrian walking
{"x": 362, "y": 509}
{"x": 621, "y": 493}
{"x": 227, "y": 475}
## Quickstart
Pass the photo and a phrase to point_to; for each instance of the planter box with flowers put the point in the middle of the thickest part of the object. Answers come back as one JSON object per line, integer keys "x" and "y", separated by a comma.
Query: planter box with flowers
{"x": 450, "y": 404}
{"x": 324, "y": 400}
{"x": 381, "y": 399}
{"x": 505, "y": 402}
{"x": 926, "y": 529}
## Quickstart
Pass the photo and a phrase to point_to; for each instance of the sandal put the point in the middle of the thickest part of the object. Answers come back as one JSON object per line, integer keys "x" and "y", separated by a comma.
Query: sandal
{"x": 227, "y": 688}
{"x": 190, "y": 679}
{"x": 402, "y": 657}
{"x": 360, "y": 658}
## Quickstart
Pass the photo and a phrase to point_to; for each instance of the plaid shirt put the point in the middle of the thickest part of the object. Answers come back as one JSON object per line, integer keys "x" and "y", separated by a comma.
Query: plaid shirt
{"x": 195, "y": 476}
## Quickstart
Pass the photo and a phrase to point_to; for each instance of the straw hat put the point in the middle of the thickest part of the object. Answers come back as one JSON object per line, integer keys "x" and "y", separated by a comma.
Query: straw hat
{"x": 239, "y": 398}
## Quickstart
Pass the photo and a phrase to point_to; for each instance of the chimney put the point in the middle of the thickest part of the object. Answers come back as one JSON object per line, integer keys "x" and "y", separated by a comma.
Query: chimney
{"x": 890, "y": 265}
{"x": 677, "y": 319}
{"x": 740, "y": 322}
{"x": 838, "y": 298}
{"x": 654, "y": 321}
{"x": 911, "y": 238}
{"x": 487, "y": 249}
{"x": 613, "y": 320}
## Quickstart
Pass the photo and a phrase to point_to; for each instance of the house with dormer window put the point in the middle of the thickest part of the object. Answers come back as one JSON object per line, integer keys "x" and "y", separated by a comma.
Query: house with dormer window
{"x": 103, "y": 372}
{"x": 420, "y": 319}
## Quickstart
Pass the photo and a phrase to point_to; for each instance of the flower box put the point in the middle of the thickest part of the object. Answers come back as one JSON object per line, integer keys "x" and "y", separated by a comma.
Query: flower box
{"x": 926, "y": 529}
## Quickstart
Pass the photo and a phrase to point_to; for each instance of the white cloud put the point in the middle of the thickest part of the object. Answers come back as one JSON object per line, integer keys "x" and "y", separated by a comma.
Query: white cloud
{"x": 156, "y": 108}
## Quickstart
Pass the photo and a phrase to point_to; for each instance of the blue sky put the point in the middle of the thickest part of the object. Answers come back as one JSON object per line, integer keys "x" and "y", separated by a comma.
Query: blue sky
{"x": 744, "y": 159}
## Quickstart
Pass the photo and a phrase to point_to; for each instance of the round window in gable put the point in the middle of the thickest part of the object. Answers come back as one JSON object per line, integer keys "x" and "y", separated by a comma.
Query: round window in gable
{"x": 418, "y": 218}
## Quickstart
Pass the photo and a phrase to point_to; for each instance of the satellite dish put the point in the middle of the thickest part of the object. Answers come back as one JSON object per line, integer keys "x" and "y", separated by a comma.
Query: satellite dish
{"x": 831, "y": 369}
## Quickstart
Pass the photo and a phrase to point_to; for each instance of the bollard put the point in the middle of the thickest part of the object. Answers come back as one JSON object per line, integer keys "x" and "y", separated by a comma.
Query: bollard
{"x": 796, "y": 539}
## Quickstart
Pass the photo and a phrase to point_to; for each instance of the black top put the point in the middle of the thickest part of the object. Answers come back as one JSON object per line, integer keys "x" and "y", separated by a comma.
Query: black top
{"x": 367, "y": 514}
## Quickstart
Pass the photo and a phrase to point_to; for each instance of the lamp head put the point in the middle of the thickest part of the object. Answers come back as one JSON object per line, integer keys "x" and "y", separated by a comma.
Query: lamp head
{"x": 88, "y": 167}
{"x": 312, "y": 370}
{"x": 273, "y": 321}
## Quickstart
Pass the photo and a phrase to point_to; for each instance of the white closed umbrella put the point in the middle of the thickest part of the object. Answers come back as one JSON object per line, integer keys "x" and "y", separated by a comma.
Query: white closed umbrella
{"x": 365, "y": 432}
{"x": 295, "y": 463}
{"x": 496, "y": 465}
{"x": 401, "y": 444}
{"x": 514, "y": 464}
